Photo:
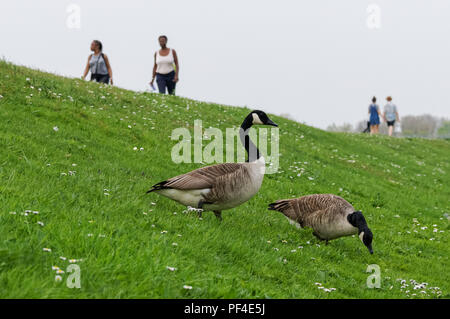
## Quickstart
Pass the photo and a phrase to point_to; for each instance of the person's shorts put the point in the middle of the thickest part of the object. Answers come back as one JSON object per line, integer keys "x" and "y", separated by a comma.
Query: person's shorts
{"x": 391, "y": 123}
{"x": 101, "y": 78}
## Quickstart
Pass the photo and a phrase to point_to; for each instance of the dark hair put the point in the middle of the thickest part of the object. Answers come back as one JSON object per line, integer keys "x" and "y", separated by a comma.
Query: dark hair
{"x": 100, "y": 45}
{"x": 162, "y": 36}
{"x": 374, "y": 99}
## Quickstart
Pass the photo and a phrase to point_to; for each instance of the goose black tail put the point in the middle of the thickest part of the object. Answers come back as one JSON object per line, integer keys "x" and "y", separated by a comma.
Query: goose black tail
{"x": 158, "y": 186}
{"x": 279, "y": 205}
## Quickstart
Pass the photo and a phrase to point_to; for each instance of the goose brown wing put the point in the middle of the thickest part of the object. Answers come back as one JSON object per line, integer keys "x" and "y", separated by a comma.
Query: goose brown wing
{"x": 200, "y": 178}
{"x": 313, "y": 203}
{"x": 316, "y": 206}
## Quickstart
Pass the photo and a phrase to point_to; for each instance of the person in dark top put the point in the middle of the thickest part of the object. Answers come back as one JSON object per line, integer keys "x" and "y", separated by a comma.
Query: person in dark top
{"x": 98, "y": 64}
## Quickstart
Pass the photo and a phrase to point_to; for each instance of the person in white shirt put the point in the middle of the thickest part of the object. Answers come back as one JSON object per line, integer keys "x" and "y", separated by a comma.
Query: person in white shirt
{"x": 166, "y": 68}
{"x": 390, "y": 115}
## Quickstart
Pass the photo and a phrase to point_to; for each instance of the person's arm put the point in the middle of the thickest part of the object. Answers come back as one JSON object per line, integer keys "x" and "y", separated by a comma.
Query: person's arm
{"x": 381, "y": 115}
{"x": 108, "y": 66}
{"x": 86, "y": 69}
{"x": 154, "y": 71}
{"x": 177, "y": 66}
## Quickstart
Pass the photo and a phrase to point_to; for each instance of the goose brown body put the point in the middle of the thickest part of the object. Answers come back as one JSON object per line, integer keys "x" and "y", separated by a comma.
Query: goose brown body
{"x": 326, "y": 214}
{"x": 221, "y": 186}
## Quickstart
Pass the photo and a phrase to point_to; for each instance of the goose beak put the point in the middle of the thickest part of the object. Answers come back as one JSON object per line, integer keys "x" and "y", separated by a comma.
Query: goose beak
{"x": 370, "y": 249}
{"x": 270, "y": 122}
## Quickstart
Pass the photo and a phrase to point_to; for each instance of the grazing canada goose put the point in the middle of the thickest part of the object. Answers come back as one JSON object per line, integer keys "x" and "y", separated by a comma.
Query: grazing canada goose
{"x": 330, "y": 216}
{"x": 221, "y": 186}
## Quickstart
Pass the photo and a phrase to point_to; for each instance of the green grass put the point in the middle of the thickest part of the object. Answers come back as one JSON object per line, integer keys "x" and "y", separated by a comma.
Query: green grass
{"x": 251, "y": 253}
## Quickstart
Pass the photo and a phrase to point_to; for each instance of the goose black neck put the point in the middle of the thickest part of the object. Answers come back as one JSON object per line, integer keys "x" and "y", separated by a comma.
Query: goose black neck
{"x": 253, "y": 153}
{"x": 357, "y": 220}
{"x": 362, "y": 228}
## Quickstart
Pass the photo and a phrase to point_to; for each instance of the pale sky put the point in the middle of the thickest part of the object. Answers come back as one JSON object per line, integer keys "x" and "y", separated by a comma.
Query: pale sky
{"x": 317, "y": 60}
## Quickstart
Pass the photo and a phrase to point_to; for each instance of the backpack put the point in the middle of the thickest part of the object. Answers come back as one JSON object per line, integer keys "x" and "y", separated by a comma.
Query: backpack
{"x": 96, "y": 64}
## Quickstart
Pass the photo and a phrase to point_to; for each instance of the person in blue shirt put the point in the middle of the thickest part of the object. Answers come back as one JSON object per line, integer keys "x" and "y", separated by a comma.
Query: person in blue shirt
{"x": 374, "y": 116}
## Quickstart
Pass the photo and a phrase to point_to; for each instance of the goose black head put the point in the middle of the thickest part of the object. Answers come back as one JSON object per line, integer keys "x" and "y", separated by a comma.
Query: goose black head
{"x": 365, "y": 234}
{"x": 257, "y": 117}
{"x": 260, "y": 117}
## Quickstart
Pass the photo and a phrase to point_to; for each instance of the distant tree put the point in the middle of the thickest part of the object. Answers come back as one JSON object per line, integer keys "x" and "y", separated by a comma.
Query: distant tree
{"x": 444, "y": 129}
{"x": 346, "y": 127}
{"x": 420, "y": 125}
{"x": 412, "y": 126}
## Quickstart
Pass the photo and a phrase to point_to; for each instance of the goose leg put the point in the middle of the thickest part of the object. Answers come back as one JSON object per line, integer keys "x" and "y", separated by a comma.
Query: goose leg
{"x": 218, "y": 214}
{"x": 200, "y": 204}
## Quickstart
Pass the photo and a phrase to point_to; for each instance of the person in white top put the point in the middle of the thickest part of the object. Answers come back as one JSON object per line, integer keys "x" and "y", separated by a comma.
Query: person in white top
{"x": 166, "y": 68}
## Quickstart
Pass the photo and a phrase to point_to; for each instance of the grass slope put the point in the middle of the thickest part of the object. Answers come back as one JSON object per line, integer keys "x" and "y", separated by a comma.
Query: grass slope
{"x": 100, "y": 213}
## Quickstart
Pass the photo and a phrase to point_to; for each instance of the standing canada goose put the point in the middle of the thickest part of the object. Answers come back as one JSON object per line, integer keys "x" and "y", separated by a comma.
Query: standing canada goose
{"x": 221, "y": 186}
{"x": 330, "y": 217}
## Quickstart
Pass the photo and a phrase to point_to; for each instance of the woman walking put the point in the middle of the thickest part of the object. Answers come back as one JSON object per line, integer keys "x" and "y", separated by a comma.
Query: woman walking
{"x": 390, "y": 115}
{"x": 374, "y": 112}
{"x": 165, "y": 68}
{"x": 98, "y": 64}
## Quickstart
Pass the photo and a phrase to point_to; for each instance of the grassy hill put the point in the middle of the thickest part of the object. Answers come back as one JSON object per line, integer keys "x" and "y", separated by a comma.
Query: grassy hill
{"x": 67, "y": 152}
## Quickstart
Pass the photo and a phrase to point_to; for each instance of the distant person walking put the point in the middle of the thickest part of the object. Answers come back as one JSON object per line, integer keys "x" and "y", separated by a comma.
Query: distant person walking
{"x": 98, "y": 64}
{"x": 374, "y": 116}
{"x": 165, "y": 68}
{"x": 390, "y": 115}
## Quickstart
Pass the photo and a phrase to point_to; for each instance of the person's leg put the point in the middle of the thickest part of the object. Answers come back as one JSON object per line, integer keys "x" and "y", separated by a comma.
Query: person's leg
{"x": 170, "y": 83}
{"x": 160, "y": 81}
{"x": 390, "y": 129}
{"x": 376, "y": 128}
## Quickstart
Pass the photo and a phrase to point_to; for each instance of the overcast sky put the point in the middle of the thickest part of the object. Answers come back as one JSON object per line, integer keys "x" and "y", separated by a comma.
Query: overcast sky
{"x": 320, "y": 61}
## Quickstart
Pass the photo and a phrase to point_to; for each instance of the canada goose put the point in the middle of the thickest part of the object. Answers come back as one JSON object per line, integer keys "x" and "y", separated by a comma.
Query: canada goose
{"x": 221, "y": 186}
{"x": 330, "y": 217}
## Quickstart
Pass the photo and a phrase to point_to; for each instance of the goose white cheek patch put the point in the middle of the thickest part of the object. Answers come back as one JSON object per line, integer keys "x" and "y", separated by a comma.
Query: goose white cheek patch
{"x": 361, "y": 236}
{"x": 256, "y": 119}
